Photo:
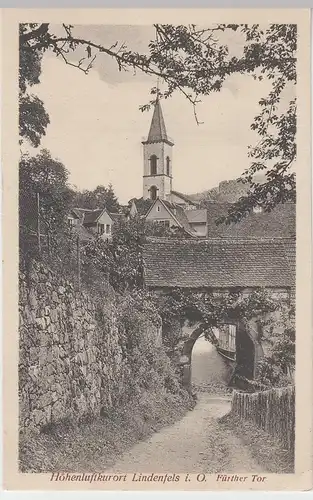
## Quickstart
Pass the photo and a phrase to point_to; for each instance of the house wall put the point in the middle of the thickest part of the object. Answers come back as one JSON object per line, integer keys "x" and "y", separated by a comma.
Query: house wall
{"x": 199, "y": 228}
{"x": 104, "y": 219}
{"x": 162, "y": 214}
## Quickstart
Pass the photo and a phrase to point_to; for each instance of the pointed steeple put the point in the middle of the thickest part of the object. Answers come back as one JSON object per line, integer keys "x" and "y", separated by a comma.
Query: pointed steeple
{"x": 157, "y": 130}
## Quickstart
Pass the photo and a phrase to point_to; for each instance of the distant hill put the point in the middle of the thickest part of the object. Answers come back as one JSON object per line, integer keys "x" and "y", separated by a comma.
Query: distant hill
{"x": 226, "y": 191}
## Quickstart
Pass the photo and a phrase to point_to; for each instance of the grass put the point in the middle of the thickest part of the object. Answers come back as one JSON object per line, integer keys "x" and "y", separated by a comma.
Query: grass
{"x": 265, "y": 449}
{"x": 95, "y": 444}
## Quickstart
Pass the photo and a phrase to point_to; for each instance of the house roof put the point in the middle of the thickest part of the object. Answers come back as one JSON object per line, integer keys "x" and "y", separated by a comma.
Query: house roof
{"x": 115, "y": 216}
{"x": 178, "y": 214}
{"x": 80, "y": 212}
{"x": 196, "y": 216}
{"x": 184, "y": 197}
{"x": 92, "y": 216}
{"x": 157, "y": 132}
{"x": 281, "y": 221}
{"x": 217, "y": 263}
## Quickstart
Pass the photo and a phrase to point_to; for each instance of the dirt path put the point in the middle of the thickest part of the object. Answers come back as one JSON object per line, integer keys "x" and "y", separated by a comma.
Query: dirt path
{"x": 196, "y": 443}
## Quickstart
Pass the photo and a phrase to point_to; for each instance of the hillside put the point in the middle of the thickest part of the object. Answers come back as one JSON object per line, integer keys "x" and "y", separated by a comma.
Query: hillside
{"x": 227, "y": 191}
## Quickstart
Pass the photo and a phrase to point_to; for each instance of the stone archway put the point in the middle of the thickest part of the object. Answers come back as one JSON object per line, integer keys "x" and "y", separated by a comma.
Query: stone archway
{"x": 186, "y": 351}
{"x": 247, "y": 350}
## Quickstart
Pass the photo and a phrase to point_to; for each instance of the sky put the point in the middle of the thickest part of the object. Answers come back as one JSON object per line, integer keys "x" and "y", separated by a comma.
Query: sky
{"x": 96, "y": 126}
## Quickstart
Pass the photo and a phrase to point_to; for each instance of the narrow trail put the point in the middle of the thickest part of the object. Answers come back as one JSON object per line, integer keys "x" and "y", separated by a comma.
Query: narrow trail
{"x": 198, "y": 442}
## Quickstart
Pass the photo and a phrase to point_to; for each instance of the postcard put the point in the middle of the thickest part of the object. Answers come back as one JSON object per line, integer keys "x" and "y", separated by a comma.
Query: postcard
{"x": 157, "y": 249}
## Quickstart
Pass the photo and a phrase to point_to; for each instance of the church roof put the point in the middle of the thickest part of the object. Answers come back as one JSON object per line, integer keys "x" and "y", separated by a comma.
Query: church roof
{"x": 219, "y": 263}
{"x": 281, "y": 221}
{"x": 157, "y": 132}
{"x": 184, "y": 197}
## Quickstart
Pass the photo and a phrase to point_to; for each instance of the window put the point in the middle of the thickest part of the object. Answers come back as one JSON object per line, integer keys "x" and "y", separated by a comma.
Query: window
{"x": 168, "y": 165}
{"x": 108, "y": 228}
{"x": 165, "y": 223}
{"x": 153, "y": 192}
{"x": 158, "y": 208}
{"x": 153, "y": 164}
{"x": 100, "y": 228}
{"x": 70, "y": 222}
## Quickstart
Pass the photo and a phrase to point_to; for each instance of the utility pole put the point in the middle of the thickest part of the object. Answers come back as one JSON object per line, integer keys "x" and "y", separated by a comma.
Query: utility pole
{"x": 38, "y": 223}
{"x": 78, "y": 261}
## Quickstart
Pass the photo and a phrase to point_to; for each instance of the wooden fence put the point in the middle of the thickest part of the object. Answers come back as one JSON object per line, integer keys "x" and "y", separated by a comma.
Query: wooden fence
{"x": 272, "y": 410}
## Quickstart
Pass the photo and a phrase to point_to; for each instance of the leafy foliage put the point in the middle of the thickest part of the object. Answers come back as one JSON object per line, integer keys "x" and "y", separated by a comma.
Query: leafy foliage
{"x": 212, "y": 308}
{"x": 119, "y": 260}
{"x": 45, "y": 177}
{"x": 278, "y": 365}
{"x": 98, "y": 198}
{"x": 33, "y": 118}
{"x": 141, "y": 205}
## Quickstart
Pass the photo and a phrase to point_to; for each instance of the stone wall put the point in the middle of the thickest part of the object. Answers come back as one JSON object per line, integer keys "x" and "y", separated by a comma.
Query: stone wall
{"x": 72, "y": 359}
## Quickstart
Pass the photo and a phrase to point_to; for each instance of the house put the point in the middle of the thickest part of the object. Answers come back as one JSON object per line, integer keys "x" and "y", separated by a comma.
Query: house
{"x": 173, "y": 215}
{"x": 88, "y": 223}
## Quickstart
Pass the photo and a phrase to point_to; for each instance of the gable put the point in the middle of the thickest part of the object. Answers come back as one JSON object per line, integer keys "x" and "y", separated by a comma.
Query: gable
{"x": 104, "y": 218}
{"x": 159, "y": 211}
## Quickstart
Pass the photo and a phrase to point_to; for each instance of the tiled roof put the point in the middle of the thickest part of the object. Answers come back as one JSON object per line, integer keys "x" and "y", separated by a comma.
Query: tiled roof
{"x": 92, "y": 216}
{"x": 196, "y": 216}
{"x": 290, "y": 252}
{"x": 80, "y": 212}
{"x": 115, "y": 216}
{"x": 180, "y": 214}
{"x": 217, "y": 263}
{"x": 279, "y": 222}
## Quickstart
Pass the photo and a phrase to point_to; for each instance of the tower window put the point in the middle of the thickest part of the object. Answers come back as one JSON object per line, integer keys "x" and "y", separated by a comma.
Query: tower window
{"x": 153, "y": 164}
{"x": 168, "y": 165}
{"x": 153, "y": 192}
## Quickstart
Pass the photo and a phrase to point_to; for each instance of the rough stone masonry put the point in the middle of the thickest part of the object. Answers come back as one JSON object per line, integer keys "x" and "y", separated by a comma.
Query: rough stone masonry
{"x": 71, "y": 363}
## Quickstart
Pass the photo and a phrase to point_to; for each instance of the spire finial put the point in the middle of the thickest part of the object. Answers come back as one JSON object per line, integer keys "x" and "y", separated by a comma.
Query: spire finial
{"x": 158, "y": 88}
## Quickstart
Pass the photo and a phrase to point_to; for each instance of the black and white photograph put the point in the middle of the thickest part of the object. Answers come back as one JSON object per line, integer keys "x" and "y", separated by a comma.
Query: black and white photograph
{"x": 157, "y": 235}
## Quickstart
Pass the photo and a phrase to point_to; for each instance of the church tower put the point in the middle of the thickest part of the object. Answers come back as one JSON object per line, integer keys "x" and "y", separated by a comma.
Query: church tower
{"x": 157, "y": 157}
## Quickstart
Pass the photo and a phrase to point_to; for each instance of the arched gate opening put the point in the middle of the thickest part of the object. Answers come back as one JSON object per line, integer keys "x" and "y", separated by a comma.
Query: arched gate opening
{"x": 242, "y": 363}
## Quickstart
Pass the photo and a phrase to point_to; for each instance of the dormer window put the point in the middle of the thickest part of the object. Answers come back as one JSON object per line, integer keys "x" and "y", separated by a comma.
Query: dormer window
{"x": 153, "y": 165}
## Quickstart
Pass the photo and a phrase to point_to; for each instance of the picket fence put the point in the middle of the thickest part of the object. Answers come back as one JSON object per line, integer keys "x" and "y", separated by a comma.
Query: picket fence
{"x": 272, "y": 410}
